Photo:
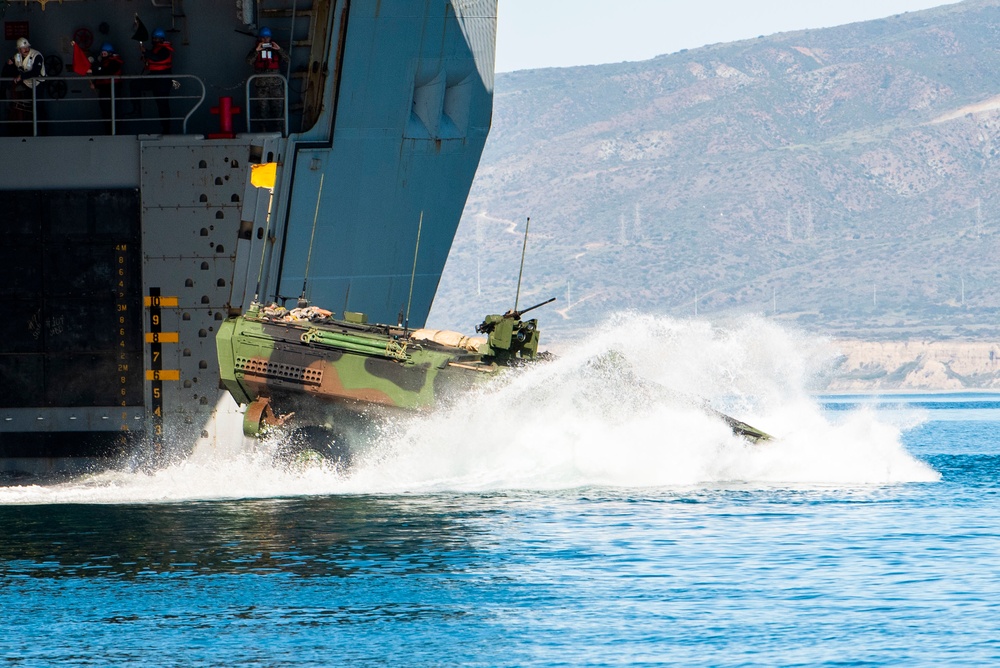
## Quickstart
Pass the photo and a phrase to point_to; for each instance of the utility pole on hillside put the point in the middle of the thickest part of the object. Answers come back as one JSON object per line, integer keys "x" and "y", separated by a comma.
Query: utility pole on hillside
{"x": 479, "y": 255}
{"x": 639, "y": 234}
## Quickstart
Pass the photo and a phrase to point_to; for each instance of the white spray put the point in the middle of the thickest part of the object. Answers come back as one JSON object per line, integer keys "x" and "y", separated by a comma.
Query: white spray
{"x": 623, "y": 409}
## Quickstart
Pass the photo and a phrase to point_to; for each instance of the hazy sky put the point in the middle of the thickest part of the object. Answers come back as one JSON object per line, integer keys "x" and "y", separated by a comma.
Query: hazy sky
{"x": 558, "y": 33}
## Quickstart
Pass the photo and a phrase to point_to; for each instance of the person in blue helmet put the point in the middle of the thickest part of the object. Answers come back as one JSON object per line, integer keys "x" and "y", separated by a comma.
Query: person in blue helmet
{"x": 269, "y": 88}
{"x": 158, "y": 61}
{"x": 107, "y": 65}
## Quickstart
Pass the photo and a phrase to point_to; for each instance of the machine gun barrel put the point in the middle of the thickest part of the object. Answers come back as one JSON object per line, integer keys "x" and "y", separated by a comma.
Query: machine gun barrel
{"x": 517, "y": 314}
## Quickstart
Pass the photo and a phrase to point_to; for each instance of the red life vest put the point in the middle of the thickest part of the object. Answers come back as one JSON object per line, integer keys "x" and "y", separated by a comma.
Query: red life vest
{"x": 110, "y": 65}
{"x": 267, "y": 60}
{"x": 164, "y": 65}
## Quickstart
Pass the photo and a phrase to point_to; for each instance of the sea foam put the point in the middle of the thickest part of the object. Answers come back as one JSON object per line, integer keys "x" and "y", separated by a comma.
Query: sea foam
{"x": 631, "y": 406}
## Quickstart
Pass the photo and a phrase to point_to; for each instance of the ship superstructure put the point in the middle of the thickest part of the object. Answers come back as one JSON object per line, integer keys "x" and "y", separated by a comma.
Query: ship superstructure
{"x": 126, "y": 248}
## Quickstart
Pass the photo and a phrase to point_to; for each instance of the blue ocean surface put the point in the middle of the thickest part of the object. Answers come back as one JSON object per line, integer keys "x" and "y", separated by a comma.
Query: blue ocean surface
{"x": 745, "y": 556}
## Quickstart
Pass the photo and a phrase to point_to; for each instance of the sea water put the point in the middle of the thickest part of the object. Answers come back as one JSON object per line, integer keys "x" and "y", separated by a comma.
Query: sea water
{"x": 586, "y": 512}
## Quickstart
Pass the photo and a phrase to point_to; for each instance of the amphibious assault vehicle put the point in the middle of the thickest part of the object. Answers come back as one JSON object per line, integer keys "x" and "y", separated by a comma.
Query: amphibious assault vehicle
{"x": 306, "y": 368}
{"x": 322, "y": 370}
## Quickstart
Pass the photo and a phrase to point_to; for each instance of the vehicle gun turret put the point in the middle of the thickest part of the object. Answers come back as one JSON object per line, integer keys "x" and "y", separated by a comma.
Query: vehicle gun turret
{"x": 509, "y": 336}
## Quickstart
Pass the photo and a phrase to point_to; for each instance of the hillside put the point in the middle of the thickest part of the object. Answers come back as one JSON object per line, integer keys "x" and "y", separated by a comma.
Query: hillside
{"x": 842, "y": 180}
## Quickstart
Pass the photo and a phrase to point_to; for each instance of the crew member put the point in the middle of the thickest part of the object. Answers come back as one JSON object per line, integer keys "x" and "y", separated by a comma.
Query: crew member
{"x": 159, "y": 61}
{"x": 269, "y": 88}
{"x": 29, "y": 66}
{"x": 107, "y": 65}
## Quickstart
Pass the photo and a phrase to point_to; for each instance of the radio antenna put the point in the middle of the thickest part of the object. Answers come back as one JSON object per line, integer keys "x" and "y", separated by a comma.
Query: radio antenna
{"x": 263, "y": 250}
{"x": 413, "y": 274}
{"x": 524, "y": 246}
{"x": 302, "y": 299}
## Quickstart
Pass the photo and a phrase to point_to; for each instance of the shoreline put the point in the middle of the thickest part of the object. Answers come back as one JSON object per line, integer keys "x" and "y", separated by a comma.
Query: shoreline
{"x": 907, "y": 392}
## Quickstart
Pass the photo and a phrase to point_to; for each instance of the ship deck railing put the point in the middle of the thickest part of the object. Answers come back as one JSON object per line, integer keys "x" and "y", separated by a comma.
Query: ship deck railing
{"x": 28, "y": 114}
{"x": 257, "y": 105}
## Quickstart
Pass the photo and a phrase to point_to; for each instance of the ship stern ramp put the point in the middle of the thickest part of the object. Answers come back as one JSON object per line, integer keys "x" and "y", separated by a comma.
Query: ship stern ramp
{"x": 127, "y": 252}
{"x": 113, "y": 285}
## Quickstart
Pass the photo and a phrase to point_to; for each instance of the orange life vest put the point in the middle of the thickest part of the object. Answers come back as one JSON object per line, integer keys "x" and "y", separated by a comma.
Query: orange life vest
{"x": 164, "y": 65}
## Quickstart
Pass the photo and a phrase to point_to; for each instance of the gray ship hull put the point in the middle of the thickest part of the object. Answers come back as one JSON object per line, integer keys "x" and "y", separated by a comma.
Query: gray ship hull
{"x": 128, "y": 247}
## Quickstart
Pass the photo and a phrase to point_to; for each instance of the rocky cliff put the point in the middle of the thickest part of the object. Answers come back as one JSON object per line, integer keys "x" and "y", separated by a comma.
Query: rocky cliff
{"x": 916, "y": 365}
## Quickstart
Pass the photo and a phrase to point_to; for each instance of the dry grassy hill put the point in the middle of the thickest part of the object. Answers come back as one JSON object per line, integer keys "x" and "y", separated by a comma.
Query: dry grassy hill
{"x": 844, "y": 180}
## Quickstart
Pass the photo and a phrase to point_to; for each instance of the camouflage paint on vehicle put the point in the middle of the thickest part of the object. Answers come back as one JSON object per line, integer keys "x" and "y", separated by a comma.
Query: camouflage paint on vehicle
{"x": 273, "y": 364}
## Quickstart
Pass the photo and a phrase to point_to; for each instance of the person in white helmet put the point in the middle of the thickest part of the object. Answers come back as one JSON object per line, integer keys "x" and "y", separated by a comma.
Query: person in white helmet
{"x": 29, "y": 68}
{"x": 29, "y": 62}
